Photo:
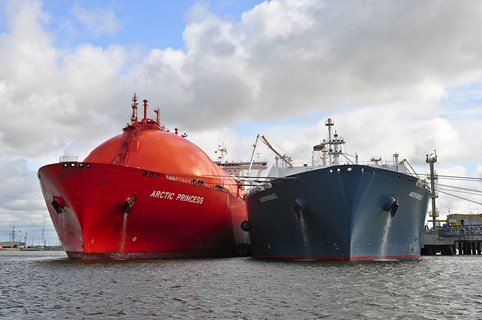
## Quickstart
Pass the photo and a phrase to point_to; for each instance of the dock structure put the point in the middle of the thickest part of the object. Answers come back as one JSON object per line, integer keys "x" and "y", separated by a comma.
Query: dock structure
{"x": 462, "y": 234}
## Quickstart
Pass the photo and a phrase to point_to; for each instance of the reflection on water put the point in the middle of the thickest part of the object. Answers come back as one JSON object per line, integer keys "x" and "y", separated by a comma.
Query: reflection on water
{"x": 47, "y": 285}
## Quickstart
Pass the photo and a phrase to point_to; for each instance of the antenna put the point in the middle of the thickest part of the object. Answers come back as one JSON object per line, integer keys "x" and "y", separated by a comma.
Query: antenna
{"x": 134, "y": 109}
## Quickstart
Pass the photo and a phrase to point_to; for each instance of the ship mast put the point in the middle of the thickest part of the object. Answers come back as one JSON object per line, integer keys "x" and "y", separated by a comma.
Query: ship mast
{"x": 334, "y": 145}
{"x": 222, "y": 151}
{"x": 145, "y": 122}
{"x": 134, "y": 109}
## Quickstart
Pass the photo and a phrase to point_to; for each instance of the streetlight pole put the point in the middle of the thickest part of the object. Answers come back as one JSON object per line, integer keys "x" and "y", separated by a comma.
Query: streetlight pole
{"x": 431, "y": 160}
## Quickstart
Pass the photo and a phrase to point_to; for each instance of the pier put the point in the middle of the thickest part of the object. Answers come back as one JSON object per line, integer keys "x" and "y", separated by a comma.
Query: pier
{"x": 460, "y": 233}
{"x": 455, "y": 236}
{"x": 449, "y": 241}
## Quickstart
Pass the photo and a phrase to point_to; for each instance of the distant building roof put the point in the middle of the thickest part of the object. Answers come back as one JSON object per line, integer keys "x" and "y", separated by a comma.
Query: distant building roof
{"x": 10, "y": 244}
{"x": 461, "y": 215}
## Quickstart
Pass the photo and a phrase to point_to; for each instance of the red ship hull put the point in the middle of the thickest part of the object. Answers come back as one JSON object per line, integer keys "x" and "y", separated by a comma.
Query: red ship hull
{"x": 147, "y": 193}
{"x": 171, "y": 216}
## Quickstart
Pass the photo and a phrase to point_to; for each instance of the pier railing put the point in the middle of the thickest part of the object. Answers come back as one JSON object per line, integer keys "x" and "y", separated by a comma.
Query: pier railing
{"x": 461, "y": 231}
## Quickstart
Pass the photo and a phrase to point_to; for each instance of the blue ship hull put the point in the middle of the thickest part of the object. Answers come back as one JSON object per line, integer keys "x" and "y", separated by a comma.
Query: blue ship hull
{"x": 341, "y": 212}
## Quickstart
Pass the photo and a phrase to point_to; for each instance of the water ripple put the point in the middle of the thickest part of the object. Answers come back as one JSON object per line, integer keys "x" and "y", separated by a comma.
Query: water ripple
{"x": 46, "y": 285}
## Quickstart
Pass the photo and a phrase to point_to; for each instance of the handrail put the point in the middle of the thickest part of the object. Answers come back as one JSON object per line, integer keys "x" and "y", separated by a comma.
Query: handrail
{"x": 448, "y": 230}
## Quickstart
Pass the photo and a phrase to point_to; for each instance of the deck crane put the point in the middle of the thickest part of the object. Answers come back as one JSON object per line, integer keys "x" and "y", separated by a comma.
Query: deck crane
{"x": 261, "y": 137}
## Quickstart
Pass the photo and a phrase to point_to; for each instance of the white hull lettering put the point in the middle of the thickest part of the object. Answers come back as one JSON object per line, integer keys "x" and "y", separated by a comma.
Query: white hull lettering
{"x": 189, "y": 198}
{"x": 269, "y": 197}
{"x": 415, "y": 195}
{"x": 179, "y": 197}
{"x": 162, "y": 194}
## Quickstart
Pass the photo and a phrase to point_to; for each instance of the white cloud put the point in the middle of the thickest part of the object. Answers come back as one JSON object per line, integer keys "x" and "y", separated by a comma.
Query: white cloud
{"x": 97, "y": 21}
{"x": 456, "y": 195}
{"x": 19, "y": 197}
{"x": 278, "y": 20}
{"x": 26, "y": 50}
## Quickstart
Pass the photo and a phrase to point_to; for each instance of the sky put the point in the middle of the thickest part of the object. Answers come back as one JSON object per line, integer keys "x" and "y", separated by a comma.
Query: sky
{"x": 395, "y": 76}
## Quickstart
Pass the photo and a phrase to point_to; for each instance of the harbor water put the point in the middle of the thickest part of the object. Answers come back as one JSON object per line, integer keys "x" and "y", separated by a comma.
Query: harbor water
{"x": 48, "y": 285}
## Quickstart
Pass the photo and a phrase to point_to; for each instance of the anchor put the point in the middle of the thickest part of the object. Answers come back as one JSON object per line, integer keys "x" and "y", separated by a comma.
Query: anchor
{"x": 129, "y": 203}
